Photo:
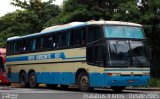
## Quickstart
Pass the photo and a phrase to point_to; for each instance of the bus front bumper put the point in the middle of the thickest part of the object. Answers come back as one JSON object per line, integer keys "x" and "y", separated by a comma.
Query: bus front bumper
{"x": 127, "y": 81}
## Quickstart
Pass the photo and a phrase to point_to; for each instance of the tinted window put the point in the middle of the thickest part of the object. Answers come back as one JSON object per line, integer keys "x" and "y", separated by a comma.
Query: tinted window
{"x": 49, "y": 41}
{"x": 34, "y": 44}
{"x": 54, "y": 44}
{"x": 63, "y": 39}
{"x": 38, "y": 43}
{"x": 139, "y": 53}
{"x": 90, "y": 55}
{"x": 42, "y": 42}
{"x": 98, "y": 55}
{"x": 95, "y": 55}
{"x": 94, "y": 33}
{"x": 127, "y": 53}
{"x": 9, "y": 47}
{"x": 17, "y": 46}
{"x": 119, "y": 53}
{"x": 78, "y": 37}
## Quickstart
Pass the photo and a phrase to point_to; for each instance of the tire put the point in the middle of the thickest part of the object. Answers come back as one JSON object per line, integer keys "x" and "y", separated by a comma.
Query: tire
{"x": 51, "y": 85}
{"x": 117, "y": 88}
{"x": 32, "y": 80}
{"x": 83, "y": 82}
{"x": 23, "y": 80}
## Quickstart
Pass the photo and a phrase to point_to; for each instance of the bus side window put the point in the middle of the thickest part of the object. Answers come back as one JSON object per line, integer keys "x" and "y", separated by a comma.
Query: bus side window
{"x": 95, "y": 55}
{"x": 98, "y": 58}
{"x": 9, "y": 48}
{"x": 78, "y": 37}
{"x": 62, "y": 40}
{"x": 90, "y": 55}
{"x": 68, "y": 38}
{"x": 29, "y": 44}
{"x": 49, "y": 41}
{"x": 17, "y": 45}
{"x": 93, "y": 34}
{"x": 14, "y": 47}
{"x": 54, "y": 44}
{"x": 38, "y": 43}
{"x": 24, "y": 45}
{"x": 20, "y": 46}
{"x": 83, "y": 37}
{"x": 42, "y": 42}
{"x": 33, "y": 44}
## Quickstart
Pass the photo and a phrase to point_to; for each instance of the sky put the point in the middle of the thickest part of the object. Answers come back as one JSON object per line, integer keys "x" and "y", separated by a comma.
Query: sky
{"x": 5, "y": 6}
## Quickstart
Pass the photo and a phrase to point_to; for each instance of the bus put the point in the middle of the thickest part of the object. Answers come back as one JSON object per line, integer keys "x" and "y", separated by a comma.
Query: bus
{"x": 92, "y": 54}
{"x": 3, "y": 78}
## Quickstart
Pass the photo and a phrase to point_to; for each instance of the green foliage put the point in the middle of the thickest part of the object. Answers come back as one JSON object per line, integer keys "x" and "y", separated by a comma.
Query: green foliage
{"x": 154, "y": 82}
{"x": 29, "y": 20}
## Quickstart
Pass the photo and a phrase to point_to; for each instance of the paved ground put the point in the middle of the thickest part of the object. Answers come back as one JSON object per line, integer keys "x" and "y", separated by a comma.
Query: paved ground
{"x": 73, "y": 93}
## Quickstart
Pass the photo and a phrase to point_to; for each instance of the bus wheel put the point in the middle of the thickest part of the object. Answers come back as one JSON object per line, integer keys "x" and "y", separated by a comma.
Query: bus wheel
{"x": 51, "y": 85}
{"x": 32, "y": 80}
{"x": 22, "y": 79}
{"x": 83, "y": 82}
{"x": 117, "y": 88}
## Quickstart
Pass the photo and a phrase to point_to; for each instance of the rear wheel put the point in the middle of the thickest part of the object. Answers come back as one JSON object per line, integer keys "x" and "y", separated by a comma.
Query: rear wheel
{"x": 117, "y": 88}
{"x": 32, "y": 80}
{"x": 83, "y": 82}
{"x": 23, "y": 79}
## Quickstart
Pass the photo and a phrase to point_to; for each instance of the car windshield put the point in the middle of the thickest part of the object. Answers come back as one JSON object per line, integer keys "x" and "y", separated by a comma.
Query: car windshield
{"x": 127, "y": 53}
{"x": 123, "y": 32}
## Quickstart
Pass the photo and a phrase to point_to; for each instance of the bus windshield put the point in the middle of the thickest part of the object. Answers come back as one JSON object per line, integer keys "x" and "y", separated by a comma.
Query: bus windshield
{"x": 127, "y": 53}
{"x": 123, "y": 32}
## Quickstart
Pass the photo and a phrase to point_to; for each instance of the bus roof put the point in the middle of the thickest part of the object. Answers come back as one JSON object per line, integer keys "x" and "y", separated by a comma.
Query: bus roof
{"x": 74, "y": 25}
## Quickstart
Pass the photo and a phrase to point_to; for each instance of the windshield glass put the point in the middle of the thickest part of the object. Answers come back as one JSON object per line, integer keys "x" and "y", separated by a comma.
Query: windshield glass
{"x": 126, "y": 53}
{"x": 123, "y": 32}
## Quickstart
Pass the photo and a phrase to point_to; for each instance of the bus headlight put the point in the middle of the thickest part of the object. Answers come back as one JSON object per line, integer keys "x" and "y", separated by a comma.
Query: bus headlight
{"x": 146, "y": 74}
{"x": 114, "y": 74}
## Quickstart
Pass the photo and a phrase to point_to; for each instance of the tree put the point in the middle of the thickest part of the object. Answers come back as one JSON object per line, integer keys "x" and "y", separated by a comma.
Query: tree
{"x": 29, "y": 20}
{"x": 151, "y": 20}
{"x": 78, "y": 10}
{"x": 44, "y": 10}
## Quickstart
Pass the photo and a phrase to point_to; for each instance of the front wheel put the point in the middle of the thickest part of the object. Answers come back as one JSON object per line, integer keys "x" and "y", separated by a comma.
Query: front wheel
{"x": 32, "y": 80}
{"x": 83, "y": 82}
{"x": 117, "y": 88}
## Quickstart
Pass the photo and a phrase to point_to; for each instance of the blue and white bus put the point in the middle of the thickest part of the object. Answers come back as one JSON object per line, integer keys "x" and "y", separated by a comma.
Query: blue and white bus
{"x": 93, "y": 54}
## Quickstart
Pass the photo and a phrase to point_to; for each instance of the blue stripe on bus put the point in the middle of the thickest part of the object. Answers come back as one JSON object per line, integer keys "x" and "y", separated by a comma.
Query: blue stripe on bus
{"x": 41, "y": 57}
{"x": 96, "y": 79}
